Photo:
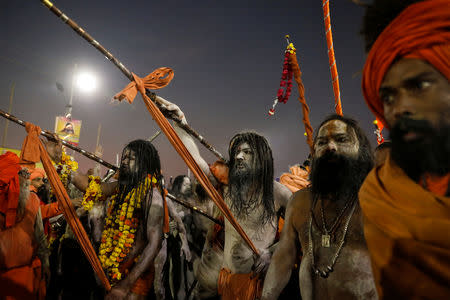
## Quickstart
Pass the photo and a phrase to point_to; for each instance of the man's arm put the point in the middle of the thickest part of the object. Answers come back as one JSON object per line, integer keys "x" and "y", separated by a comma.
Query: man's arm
{"x": 283, "y": 259}
{"x": 181, "y": 229}
{"x": 187, "y": 140}
{"x": 281, "y": 195}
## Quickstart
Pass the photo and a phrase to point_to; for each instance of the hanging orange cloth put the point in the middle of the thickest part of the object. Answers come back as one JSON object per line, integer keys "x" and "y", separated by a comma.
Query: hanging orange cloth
{"x": 158, "y": 80}
{"x": 420, "y": 31}
{"x": 296, "y": 180}
{"x": 301, "y": 97}
{"x": 239, "y": 286}
{"x": 407, "y": 230}
{"x": 32, "y": 151}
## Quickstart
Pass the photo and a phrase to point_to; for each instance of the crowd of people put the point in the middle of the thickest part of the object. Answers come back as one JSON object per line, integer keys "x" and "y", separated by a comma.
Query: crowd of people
{"x": 351, "y": 223}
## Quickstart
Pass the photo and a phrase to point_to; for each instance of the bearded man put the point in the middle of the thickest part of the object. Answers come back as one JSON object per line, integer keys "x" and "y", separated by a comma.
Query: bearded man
{"x": 325, "y": 221}
{"x": 23, "y": 246}
{"x": 133, "y": 229}
{"x": 406, "y": 200}
{"x": 254, "y": 198}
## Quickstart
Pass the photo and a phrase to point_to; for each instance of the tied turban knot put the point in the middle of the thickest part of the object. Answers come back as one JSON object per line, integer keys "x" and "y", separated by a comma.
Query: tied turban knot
{"x": 421, "y": 31}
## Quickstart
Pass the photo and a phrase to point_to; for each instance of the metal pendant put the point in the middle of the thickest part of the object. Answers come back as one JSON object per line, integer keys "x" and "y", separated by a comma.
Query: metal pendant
{"x": 326, "y": 240}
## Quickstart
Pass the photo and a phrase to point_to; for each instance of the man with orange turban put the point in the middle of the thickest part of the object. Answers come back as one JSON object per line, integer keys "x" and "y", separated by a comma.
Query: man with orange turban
{"x": 23, "y": 247}
{"x": 406, "y": 199}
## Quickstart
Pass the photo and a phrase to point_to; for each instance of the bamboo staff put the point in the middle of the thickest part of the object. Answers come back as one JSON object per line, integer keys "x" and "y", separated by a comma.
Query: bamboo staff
{"x": 51, "y": 136}
{"x": 126, "y": 72}
{"x": 194, "y": 208}
{"x": 331, "y": 57}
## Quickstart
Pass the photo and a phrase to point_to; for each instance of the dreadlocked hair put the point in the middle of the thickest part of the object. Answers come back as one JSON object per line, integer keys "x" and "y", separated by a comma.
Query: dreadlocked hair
{"x": 261, "y": 180}
{"x": 378, "y": 16}
{"x": 146, "y": 163}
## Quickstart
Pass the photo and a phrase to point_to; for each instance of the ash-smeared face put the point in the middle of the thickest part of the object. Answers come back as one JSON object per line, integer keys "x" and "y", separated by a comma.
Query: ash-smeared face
{"x": 244, "y": 162}
{"x": 186, "y": 188}
{"x": 128, "y": 165}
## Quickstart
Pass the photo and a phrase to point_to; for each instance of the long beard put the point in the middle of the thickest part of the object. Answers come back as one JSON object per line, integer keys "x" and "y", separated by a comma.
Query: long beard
{"x": 242, "y": 191}
{"x": 24, "y": 194}
{"x": 428, "y": 153}
{"x": 338, "y": 176}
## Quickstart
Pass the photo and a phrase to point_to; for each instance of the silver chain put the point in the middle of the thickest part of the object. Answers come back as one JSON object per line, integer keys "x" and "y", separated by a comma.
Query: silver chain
{"x": 338, "y": 218}
{"x": 329, "y": 268}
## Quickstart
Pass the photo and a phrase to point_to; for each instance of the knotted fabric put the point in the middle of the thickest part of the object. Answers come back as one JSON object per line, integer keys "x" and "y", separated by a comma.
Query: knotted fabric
{"x": 420, "y": 31}
{"x": 9, "y": 187}
{"x": 155, "y": 80}
{"x": 174, "y": 139}
{"x": 296, "y": 180}
{"x": 32, "y": 151}
{"x": 407, "y": 233}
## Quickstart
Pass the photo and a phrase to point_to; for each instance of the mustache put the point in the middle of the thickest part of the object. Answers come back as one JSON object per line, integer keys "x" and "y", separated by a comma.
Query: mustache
{"x": 406, "y": 124}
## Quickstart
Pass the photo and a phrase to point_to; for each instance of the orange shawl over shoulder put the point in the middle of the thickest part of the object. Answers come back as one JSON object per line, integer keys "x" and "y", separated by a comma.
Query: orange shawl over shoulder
{"x": 407, "y": 230}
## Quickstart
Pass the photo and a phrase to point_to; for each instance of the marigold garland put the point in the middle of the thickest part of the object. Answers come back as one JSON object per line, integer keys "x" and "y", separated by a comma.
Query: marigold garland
{"x": 65, "y": 167}
{"x": 93, "y": 193}
{"x": 121, "y": 224}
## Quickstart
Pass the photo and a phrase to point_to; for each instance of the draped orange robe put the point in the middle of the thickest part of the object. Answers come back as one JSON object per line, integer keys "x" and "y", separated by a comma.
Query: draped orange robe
{"x": 20, "y": 268}
{"x": 407, "y": 230}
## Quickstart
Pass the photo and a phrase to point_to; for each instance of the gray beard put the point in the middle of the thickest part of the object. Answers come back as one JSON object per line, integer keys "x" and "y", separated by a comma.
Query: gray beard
{"x": 24, "y": 194}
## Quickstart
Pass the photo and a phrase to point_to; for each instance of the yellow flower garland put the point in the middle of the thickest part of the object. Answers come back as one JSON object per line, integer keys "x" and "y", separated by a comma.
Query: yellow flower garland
{"x": 121, "y": 224}
{"x": 93, "y": 193}
{"x": 65, "y": 167}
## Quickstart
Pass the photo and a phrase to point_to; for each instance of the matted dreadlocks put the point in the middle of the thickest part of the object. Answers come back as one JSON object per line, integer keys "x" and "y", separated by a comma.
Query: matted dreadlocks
{"x": 146, "y": 163}
{"x": 378, "y": 16}
{"x": 260, "y": 180}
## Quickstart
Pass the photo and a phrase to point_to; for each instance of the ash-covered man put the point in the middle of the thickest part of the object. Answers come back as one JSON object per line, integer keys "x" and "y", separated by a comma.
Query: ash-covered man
{"x": 406, "y": 199}
{"x": 326, "y": 221}
{"x": 133, "y": 229}
{"x": 254, "y": 198}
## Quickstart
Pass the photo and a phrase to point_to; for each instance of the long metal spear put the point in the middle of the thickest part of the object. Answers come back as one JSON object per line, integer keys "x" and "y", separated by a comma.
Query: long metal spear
{"x": 126, "y": 72}
{"x": 50, "y": 136}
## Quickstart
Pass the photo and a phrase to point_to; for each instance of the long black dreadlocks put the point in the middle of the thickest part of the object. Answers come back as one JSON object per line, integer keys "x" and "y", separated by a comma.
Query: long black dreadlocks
{"x": 378, "y": 16}
{"x": 146, "y": 163}
{"x": 259, "y": 181}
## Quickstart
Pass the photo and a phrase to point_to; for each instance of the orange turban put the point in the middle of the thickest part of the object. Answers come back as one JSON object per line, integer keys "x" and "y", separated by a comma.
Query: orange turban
{"x": 9, "y": 186}
{"x": 38, "y": 172}
{"x": 420, "y": 31}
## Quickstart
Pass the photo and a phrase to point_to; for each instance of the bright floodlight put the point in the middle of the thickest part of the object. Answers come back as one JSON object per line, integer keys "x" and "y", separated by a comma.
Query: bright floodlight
{"x": 86, "y": 82}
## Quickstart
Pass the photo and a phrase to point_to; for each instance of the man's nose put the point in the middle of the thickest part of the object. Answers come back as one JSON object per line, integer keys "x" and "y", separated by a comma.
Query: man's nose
{"x": 332, "y": 146}
{"x": 240, "y": 156}
{"x": 403, "y": 106}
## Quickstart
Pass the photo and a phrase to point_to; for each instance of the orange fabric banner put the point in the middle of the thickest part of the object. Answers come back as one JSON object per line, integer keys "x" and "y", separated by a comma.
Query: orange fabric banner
{"x": 32, "y": 151}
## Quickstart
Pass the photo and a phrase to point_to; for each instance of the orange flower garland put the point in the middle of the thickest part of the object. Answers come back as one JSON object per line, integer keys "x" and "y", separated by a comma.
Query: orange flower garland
{"x": 118, "y": 235}
{"x": 93, "y": 193}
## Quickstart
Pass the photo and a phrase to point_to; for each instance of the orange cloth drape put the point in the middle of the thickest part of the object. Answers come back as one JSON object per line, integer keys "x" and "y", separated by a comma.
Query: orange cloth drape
{"x": 296, "y": 180}
{"x": 239, "y": 286}
{"x": 420, "y": 31}
{"x": 178, "y": 144}
{"x": 9, "y": 187}
{"x": 301, "y": 97}
{"x": 32, "y": 151}
{"x": 407, "y": 230}
{"x": 20, "y": 268}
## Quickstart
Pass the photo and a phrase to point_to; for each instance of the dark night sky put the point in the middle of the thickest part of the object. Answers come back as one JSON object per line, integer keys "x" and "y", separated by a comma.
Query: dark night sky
{"x": 227, "y": 57}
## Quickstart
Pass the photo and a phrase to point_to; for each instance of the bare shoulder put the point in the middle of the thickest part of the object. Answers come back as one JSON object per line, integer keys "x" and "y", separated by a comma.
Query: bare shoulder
{"x": 108, "y": 188}
{"x": 300, "y": 206}
{"x": 281, "y": 195}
